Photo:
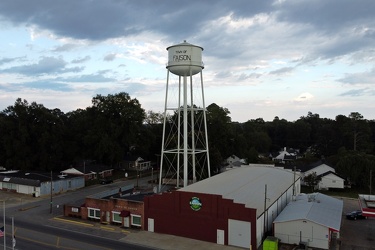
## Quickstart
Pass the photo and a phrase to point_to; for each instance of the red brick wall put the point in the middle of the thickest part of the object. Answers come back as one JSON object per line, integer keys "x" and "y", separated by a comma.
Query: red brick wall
{"x": 172, "y": 214}
{"x": 106, "y": 205}
{"x": 116, "y": 205}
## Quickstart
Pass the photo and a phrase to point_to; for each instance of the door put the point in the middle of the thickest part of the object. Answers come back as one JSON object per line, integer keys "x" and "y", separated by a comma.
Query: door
{"x": 239, "y": 233}
{"x": 150, "y": 225}
{"x": 220, "y": 237}
{"x": 126, "y": 221}
{"x": 108, "y": 216}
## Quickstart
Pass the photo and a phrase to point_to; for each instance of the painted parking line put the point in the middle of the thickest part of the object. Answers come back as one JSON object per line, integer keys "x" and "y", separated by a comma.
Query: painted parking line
{"x": 89, "y": 225}
{"x": 107, "y": 228}
{"x": 74, "y": 222}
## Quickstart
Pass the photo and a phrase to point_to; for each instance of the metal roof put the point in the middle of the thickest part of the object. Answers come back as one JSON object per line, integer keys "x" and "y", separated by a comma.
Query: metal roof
{"x": 246, "y": 185}
{"x": 318, "y": 208}
{"x": 29, "y": 178}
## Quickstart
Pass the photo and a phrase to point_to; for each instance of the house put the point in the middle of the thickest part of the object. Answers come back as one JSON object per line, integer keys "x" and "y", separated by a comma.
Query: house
{"x": 285, "y": 156}
{"x": 312, "y": 220}
{"x": 233, "y": 161}
{"x": 236, "y": 207}
{"x": 329, "y": 178}
{"x": 90, "y": 172}
{"x": 38, "y": 183}
{"x": 135, "y": 163}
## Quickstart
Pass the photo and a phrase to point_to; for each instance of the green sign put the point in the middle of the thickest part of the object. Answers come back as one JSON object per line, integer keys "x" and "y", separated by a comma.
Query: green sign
{"x": 195, "y": 203}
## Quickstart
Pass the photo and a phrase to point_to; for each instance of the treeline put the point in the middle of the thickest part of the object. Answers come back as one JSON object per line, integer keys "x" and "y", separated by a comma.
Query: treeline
{"x": 33, "y": 137}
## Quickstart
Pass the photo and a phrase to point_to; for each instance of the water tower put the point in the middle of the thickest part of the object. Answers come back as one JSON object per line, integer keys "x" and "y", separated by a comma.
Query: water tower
{"x": 184, "y": 152}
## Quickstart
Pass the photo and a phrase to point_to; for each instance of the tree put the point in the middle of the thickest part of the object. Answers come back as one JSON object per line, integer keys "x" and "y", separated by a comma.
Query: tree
{"x": 115, "y": 127}
{"x": 361, "y": 132}
{"x": 355, "y": 166}
{"x": 32, "y": 136}
{"x": 219, "y": 131}
{"x": 154, "y": 118}
{"x": 312, "y": 180}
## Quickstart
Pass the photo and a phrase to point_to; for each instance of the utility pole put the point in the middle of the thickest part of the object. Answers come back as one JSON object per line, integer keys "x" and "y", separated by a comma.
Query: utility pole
{"x": 264, "y": 213}
{"x": 5, "y": 242}
{"x": 370, "y": 181}
{"x": 13, "y": 236}
{"x": 294, "y": 181}
{"x": 50, "y": 209}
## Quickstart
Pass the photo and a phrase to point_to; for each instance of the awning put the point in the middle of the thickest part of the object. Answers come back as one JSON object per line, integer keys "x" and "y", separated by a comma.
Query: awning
{"x": 124, "y": 213}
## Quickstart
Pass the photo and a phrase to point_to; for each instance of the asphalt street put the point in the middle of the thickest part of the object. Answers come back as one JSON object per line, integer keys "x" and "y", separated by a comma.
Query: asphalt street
{"x": 37, "y": 228}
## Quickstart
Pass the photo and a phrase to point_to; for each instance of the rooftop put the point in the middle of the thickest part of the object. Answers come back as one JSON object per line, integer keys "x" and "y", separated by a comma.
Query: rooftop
{"x": 316, "y": 207}
{"x": 246, "y": 185}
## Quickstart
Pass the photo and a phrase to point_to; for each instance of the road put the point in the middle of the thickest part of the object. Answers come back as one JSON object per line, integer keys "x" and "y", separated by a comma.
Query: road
{"x": 37, "y": 228}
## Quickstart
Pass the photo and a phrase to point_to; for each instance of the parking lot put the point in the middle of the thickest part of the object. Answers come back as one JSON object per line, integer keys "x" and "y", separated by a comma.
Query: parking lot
{"x": 356, "y": 234}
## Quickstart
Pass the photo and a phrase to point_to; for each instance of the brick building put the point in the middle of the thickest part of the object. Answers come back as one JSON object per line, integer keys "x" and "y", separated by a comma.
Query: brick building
{"x": 123, "y": 207}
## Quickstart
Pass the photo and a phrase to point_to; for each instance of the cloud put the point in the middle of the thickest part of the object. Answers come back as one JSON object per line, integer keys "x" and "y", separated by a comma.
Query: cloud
{"x": 65, "y": 47}
{"x": 98, "y": 77}
{"x": 46, "y": 65}
{"x": 282, "y": 71}
{"x": 6, "y": 60}
{"x": 359, "y": 92}
{"x": 304, "y": 97}
{"x": 362, "y": 78}
{"x": 110, "y": 57}
{"x": 250, "y": 47}
{"x": 45, "y": 85}
{"x": 81, "y": 60}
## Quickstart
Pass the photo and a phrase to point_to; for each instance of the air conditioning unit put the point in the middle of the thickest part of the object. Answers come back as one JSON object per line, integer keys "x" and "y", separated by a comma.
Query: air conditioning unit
{"x": 302, "y": 245}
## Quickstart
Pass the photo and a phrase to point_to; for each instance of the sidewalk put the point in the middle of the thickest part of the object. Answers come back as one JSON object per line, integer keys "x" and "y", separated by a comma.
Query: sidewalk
{"x": 149, "y": 239}
{"x": 134, "y": 236}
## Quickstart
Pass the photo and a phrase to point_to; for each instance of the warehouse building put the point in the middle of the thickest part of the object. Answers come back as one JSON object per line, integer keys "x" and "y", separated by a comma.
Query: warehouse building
{"x": 235, "y": 208}
{"x": 311, "y": 220}
{"x": 38, "y": 183}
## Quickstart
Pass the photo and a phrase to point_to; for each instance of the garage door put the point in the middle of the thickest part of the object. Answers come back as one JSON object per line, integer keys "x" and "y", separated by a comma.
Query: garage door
{"x": 239, "y": 233}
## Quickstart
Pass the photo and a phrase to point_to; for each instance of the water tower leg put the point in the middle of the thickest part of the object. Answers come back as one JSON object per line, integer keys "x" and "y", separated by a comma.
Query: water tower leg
{"x": 205, "y": 128}
{"x": 178, "y": 133}
{"x": 185, "y": 133}
{"x": 192, "y": 109}
{"x": 162, "y": 142}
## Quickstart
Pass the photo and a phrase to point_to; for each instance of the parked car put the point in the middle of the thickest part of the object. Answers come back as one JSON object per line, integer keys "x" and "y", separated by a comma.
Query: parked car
{"x": 354, "y": 215}
{"x": 106, "y": 181}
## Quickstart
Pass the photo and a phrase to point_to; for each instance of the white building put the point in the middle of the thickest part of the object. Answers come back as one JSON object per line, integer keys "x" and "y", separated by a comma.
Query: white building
{"x": 312, "y": 219}
{"x": 330, "y": 180}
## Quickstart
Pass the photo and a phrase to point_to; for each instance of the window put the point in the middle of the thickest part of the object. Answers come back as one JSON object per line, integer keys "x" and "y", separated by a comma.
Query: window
{"x": 136, "y": 220}
{"x": 334, "y": 181}
{"x": 116, "y": 217}
{"x": 94, "y": 213}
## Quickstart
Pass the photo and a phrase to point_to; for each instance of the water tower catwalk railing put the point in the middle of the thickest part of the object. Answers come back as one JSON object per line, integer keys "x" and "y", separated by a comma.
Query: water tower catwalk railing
{"x": 184, "y": 153}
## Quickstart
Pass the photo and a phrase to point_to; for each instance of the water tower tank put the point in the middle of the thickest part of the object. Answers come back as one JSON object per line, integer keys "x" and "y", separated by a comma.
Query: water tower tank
{"x": 185, "y": 59}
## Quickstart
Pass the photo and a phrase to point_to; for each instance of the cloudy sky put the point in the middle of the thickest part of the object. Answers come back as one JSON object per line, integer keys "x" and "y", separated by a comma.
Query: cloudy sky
{"x": 262, "y": 58}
